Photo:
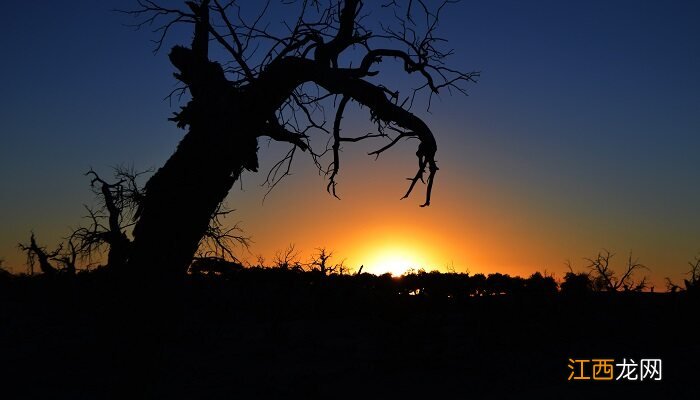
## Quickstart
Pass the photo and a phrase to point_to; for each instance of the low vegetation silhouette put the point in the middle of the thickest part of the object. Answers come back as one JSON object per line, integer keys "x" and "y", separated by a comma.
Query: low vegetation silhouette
{"x": 314, "y": 328}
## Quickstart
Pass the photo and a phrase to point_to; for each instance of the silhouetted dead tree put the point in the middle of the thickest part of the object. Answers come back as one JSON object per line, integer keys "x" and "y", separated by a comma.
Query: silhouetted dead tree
{"x": 69, "y": 258}
{"x": 107, "y": 227}
{"x": 288, "y": 259}
{"x": 276, "y": 82}
{"x": 605, "y": 278}
{"x": 64, "y": 258}
{"x": 693, "y": 283}
{"x": 115, "y": 213}
{"x": 320, "y": 262}
{"x": 37, "y": 254}
{"x": 671, "y": 286}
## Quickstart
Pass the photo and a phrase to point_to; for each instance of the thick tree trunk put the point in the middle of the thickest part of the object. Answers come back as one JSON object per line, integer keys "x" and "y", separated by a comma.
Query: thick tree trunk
{"x": 181, "y": 199}
{"x": 183, "y": 195}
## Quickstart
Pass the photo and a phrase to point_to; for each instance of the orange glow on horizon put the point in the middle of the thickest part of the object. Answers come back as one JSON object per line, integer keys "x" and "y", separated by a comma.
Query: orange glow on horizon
{"x": 395, "y": 260}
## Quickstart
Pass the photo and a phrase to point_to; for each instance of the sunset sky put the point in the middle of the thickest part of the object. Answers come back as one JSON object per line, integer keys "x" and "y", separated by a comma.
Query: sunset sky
{"x": 582, "y": 133}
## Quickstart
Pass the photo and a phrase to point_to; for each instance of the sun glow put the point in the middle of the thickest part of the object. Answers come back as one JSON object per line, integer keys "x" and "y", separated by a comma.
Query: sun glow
{"x": 395, "y": 261}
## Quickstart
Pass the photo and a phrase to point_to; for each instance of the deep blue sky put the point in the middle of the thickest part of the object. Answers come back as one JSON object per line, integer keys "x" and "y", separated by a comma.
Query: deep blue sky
{"x": 584, "y": 126}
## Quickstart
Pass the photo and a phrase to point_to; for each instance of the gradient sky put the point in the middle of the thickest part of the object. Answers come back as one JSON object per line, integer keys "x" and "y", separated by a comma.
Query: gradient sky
{"x": 582, "y": 134}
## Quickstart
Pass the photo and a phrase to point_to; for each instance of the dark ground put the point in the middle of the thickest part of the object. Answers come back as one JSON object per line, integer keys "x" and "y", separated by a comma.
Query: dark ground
{"x": 209, "y": 338}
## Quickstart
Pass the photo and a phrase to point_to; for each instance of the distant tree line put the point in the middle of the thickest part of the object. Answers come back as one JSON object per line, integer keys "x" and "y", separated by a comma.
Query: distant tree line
{"x": 286, "y": 266}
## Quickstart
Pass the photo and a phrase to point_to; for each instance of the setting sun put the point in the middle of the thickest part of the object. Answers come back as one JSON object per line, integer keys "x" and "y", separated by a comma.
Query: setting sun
{"x": 394, "y": 260}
